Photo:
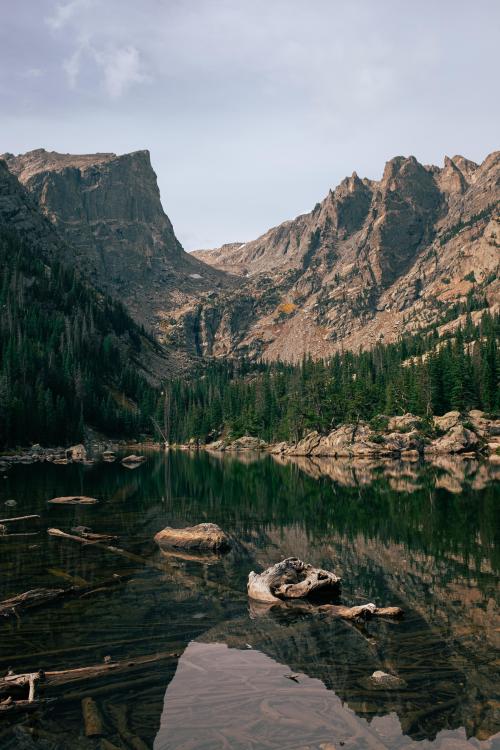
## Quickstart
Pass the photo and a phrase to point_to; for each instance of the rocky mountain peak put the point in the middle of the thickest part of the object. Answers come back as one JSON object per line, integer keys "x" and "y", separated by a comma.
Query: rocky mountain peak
{"x": 108, "y": 209}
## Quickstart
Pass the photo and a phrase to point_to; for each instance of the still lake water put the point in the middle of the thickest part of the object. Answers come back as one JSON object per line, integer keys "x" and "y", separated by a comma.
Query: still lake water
{"x": 425, "y": 538}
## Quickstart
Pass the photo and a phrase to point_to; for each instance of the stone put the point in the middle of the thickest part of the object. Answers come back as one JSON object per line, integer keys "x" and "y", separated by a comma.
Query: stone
{"x": 458, "y": 439}
{"x": 386, "y": 680}
{"x": 405, "y": 422}
{"x": 247, "y": 443}
{"x": 204, "y": 536}
{"x": 76, "y": 453}
{"x": 217, "y": 446}
{"x": 447, "y": 421}
{"x": 73, "y": 500}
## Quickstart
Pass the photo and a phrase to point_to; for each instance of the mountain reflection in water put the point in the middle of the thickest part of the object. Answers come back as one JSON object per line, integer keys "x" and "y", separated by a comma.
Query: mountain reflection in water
{"x": 424, "y": 537}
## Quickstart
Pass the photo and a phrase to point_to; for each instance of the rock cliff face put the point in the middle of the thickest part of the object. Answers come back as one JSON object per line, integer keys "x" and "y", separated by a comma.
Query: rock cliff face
{"x": 371, "y": 259}
{"x": 108, "y": 209}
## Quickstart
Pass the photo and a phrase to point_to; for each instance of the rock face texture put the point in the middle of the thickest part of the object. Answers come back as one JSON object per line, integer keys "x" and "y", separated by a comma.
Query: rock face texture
{"x": 403, "y": 436}
{"x": 108, "y": 209}
{"x": 372, "y": 257}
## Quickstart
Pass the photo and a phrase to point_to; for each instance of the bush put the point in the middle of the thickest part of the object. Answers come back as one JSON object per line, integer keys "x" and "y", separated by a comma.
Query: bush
{"x": 379, "y": 423}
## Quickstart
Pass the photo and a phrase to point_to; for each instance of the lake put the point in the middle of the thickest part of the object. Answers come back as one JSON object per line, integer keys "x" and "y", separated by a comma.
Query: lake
{"x": 230, "y": 673}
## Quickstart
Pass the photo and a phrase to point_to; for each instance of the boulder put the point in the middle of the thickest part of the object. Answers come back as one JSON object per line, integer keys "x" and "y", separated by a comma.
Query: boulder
{"x": 385, "y": 680}
{"x": 278, "y": 448}
{"x": 306, "y": 446}
{"x": 204, "y": 536}
{"x": 76, "y": 453}
{"x": 247, "y": 443}
{"x": 458, "y": 439}
{"x": 217, "y": 446}
{"x": 447, "y": 421}
{"x": 73, "y": 500}
{"x": 403, "y": 423}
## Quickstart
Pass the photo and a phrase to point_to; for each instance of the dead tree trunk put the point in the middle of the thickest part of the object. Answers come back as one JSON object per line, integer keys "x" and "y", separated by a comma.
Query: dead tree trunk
{"x": 294, "y": 579}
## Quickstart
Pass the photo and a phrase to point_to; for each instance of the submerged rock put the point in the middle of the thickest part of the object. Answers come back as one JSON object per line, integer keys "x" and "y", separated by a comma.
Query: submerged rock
{"x": 73, "y": 500}
{"x": 204, "y": 536}
{"x": 133, "y": 459}
{"x": 386, "y": 680}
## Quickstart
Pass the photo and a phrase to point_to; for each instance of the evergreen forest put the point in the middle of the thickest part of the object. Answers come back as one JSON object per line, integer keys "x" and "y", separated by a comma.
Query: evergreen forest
{"x": 69, "y": 357}
{"x": 421, "y": 373}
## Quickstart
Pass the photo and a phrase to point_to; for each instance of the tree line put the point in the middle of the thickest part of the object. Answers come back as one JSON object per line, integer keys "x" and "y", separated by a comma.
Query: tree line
{"x": 69, "y": 357}
{"x": 421, "y": 373}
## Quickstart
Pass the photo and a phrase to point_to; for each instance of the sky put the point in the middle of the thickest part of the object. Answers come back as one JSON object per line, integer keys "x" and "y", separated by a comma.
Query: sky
{"x": 252, "y": 109}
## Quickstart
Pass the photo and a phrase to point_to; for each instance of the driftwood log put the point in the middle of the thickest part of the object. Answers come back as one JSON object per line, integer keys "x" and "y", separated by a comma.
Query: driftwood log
{"x": 291, "y": 579}
{"x": 92, "y": 718}
{"x": 18, "y": 518}
{"x": 16, "y": 689}
{"x": 40, "y": 596}
{"x": 294, "y": 579}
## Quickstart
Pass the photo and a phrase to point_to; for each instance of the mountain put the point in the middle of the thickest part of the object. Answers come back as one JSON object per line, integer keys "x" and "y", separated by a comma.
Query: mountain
{"x": 70, "y": 356}
{"x": 107, "y": 208}
{"x": 374, "y": 258}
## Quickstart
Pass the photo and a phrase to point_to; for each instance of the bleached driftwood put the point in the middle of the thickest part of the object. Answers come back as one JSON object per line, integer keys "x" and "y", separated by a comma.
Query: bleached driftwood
{"x": 18, "y": 518}
{"x": 294, "y": 579}
{"x": 290, "y": 579}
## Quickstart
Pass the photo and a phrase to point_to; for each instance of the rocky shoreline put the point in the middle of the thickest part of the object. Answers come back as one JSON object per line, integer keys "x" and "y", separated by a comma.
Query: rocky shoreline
{"x": 406, "y": 436}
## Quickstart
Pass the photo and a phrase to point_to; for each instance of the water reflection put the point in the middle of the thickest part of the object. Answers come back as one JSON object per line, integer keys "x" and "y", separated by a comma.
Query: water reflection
{"x": 398, "y": 534}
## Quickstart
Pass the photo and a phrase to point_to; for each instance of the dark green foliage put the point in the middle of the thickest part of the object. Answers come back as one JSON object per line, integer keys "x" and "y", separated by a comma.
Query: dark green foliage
{"x": 422, "y": 374}
{"x": 68, "y": 356}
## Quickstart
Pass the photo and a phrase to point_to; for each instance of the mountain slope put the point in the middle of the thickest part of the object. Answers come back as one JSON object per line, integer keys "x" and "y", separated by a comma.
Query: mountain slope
{"x": 108, "y": 209}
{"x": 70, "y": 357}
{"x": 373, "y": 258}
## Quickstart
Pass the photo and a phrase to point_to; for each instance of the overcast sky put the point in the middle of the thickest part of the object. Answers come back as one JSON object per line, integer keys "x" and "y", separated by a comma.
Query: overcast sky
{"x": 252, "y": 109}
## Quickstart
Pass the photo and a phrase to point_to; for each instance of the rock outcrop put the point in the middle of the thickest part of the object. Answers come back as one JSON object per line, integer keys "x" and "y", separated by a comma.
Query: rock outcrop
{"x": 107, "y": 208}
{"x": 403, "y": 436}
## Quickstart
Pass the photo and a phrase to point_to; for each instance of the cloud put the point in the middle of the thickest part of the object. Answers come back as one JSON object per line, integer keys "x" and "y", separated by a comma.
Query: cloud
{"x": 122, "y": 68}
{"x": 71, "y": 66}
{"x": 64, "y": 12}
{"x": 33, "y": 73}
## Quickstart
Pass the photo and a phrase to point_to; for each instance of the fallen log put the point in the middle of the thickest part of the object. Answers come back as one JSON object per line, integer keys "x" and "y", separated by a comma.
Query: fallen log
{"x": 32, "y": 598}
{"x": 7, "y": 708}
{"x": 118, "y": 716}
{"x": 93, "y": 536}
{"x": 110, "y": 548}
{"x": 40, "y": 596}
{"x": 294, "y": 579}
{"x": 73, "y": 500}
{"x": 11, "y": 684}
{"x": 92, "y": 718}
{"x": 290, "y": 579}
{"x": 18, "y": 518}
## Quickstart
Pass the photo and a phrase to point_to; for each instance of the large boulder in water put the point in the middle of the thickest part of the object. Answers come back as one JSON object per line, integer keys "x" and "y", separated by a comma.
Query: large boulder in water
{"x": 204, "y": 536}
